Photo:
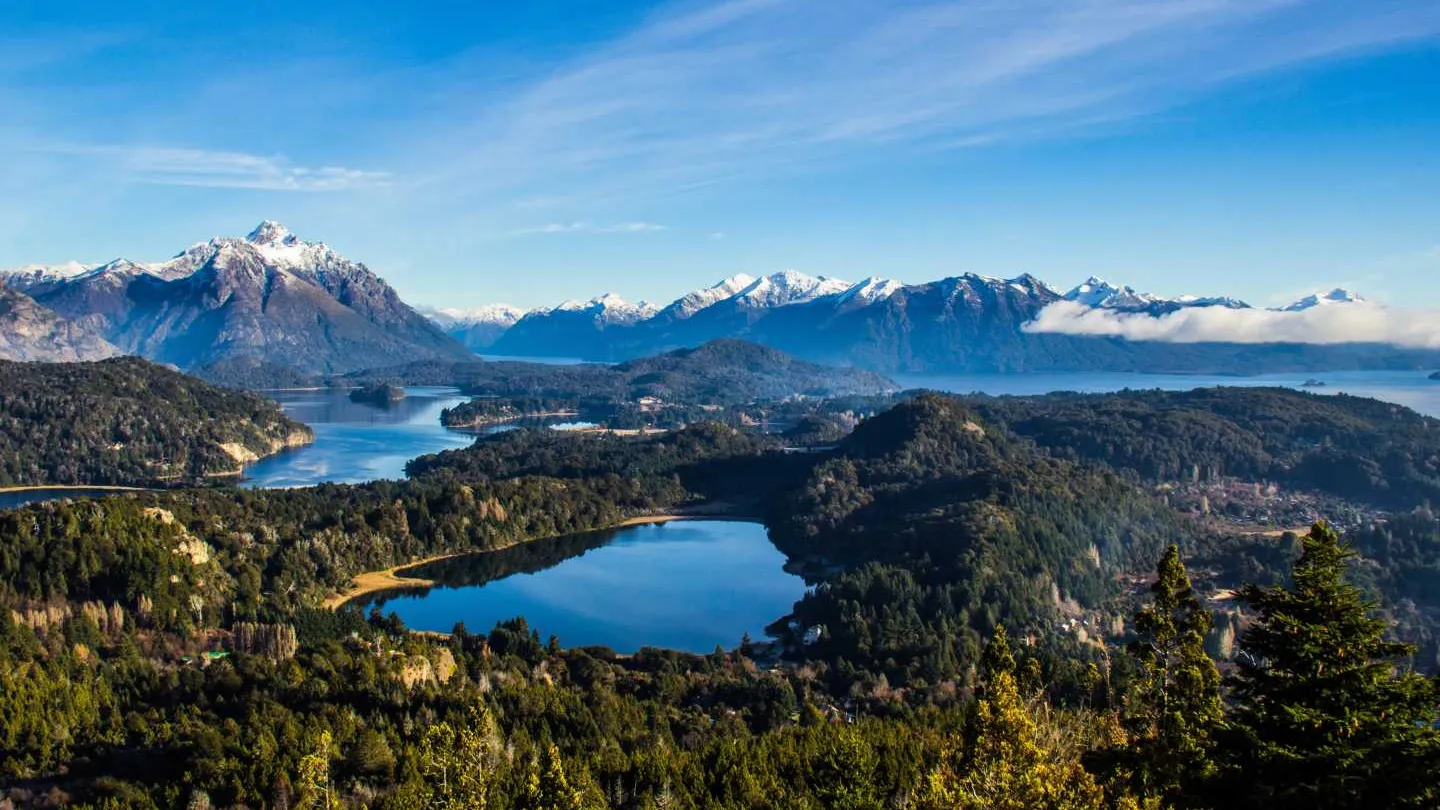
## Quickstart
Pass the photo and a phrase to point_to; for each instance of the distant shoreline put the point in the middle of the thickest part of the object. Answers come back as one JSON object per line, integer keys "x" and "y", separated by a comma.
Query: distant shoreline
{"x": 390, "y": 579}
{"x": 69, "y": 487}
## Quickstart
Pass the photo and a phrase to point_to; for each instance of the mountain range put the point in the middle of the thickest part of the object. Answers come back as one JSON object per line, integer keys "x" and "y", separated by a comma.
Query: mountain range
{"x": 272, "y": 306}
{"x": 269, "y": 297}
{"x": 967, "y": 323}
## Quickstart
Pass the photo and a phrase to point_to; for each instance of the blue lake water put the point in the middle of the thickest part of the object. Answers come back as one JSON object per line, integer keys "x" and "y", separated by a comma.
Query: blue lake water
{"x": 684, "y": 585}
{"x": 357, "y": 442}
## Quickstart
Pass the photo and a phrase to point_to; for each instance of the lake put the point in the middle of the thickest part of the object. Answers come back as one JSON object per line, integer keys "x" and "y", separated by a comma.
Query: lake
{"x": 1412, "y": 389}
{"x": 357, "y": 442}
{"x": 685, "y": 585}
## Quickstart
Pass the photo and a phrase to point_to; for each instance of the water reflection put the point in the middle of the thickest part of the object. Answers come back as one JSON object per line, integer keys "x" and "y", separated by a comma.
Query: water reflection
{"x": 687, "y": 585}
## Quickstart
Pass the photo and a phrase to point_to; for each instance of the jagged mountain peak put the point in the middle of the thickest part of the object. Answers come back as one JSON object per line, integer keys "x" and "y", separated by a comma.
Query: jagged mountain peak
{"x": 608, "y": 309}
{"x": 870, "y": 290}
{"x": 789, "y": 287}
{"x": 269, "y": 295}
{"x": 270, "y": 232}
{"x": 1099, "y": 293}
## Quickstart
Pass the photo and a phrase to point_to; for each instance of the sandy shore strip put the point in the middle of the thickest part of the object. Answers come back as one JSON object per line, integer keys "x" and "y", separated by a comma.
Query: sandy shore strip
{"x": 391, "y": 579}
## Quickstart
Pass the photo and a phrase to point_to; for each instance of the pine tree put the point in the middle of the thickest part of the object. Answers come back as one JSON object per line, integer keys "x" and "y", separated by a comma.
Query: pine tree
{"x": 1325, "y": 717}
{"x": 1173, "y": 710}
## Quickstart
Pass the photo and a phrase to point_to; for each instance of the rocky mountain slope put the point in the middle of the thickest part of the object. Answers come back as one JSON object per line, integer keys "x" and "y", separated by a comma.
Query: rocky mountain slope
{"x": 270, "y": 296}
{"x": 29, "y": 331}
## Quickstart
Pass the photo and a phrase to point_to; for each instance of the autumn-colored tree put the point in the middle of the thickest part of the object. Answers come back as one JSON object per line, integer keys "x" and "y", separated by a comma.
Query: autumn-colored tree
{"x": 317, "y": 790}
{"x": 1173, "y": 709}
{"x": 458, "y": 760}
{"x": 1326, "y": 715}
{"x": 1011, "y": 762}
{"x": 547, "y": 787}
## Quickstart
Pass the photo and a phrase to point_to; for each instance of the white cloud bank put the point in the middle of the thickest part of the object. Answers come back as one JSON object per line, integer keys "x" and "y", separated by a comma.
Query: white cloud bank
{"x": 1349, "y": 323}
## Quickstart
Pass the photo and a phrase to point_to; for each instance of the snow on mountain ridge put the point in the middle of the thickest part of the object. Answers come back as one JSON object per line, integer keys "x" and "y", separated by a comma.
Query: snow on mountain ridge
{"x": 492, "y": 314}
{"x": 1336, "y": 296}
{"x": 609, "y": 309}
{"x": 696, "y": 300}
{"x": 788, "y": 287}
{"x": 871, "y": 290}
{"x": 1097, "y": 293}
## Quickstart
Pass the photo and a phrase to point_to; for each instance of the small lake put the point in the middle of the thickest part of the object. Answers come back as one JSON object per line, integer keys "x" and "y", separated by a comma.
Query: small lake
{"x": 685, "y": 585}
{"x": 1412, "y": 389}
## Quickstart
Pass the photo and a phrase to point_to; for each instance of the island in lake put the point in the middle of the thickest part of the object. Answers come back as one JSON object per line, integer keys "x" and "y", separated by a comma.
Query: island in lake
{"x": 381, "y": 394}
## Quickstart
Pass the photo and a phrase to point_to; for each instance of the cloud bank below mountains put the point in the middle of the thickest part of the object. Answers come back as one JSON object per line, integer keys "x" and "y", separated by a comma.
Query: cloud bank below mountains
{"x": 1348, "y": 323}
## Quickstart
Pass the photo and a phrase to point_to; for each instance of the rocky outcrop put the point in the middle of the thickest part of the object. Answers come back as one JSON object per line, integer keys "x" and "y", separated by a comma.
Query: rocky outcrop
{"x": 31, "y": 332}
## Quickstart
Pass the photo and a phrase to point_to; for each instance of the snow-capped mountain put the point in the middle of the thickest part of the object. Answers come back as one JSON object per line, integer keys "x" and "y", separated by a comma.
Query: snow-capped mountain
{"x": 609, "y": 310}
{"x": 489, "y": 314}
{"x": 1098, "y": 293}
{"x": 692, "y": 302}
{"x": 477, "y": 328}
{"x": 270, "y": 296}
{"x": 968, "y": 322}
{"x": 33, "y": 275}
{"x": 788, "y": 287}
{"x": 870, "y": 290}
{"x": 1335, "y": 296}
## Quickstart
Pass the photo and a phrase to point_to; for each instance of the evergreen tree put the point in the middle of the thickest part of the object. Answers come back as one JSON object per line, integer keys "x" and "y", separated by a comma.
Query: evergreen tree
{"x": 1173, "y": 709}
{"x": 1325, "y": 717}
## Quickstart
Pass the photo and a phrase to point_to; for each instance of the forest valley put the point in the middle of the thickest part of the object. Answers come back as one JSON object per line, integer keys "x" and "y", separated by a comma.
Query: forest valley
{"x": 1008, "y": 621}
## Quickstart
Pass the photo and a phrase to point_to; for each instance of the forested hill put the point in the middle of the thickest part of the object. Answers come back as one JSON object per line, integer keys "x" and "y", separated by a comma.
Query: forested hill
{"x": 722, "y": 372}
{"x": 721, "y": 369}
{"x": 1363, "y": 450}
{"x": 126, "y": 421}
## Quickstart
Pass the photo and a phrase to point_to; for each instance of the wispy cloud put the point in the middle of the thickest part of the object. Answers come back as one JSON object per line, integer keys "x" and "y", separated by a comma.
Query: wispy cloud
{"x": 217, "y": 169}
{"x": 1348, "y": 323}
{"x": 589, "y": 227}
{"x": 727, "y": 90}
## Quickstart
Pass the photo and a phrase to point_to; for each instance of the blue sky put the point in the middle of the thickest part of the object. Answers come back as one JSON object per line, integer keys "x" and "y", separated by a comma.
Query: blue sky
{"x": 480, "y": 152}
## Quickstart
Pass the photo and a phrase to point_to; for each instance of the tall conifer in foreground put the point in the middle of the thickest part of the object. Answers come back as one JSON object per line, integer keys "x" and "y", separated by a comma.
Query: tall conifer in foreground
{"x": 1174, "y": 708}
{"x": 1324, "y": 715}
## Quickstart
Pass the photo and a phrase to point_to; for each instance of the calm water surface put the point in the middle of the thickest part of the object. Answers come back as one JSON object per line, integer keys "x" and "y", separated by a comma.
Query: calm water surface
{"x": 685, "y": 585}
{"x": 357, "y": 442}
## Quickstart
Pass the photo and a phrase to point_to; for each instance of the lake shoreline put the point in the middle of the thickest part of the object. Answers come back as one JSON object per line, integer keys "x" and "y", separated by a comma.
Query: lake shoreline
{"x": 69, "y": 487}
{"x": 392, "y": 578}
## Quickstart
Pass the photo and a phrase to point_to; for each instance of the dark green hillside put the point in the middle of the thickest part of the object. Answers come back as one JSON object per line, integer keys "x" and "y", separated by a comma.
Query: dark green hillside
{"x": 948, "y": 527}
{"x": 1360, "y": 449}
{"x": 735, "y": 370}
{"x": 721, "y": 372}
{"x": 254, "y": 374}
{"x": 129, "y": 422}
